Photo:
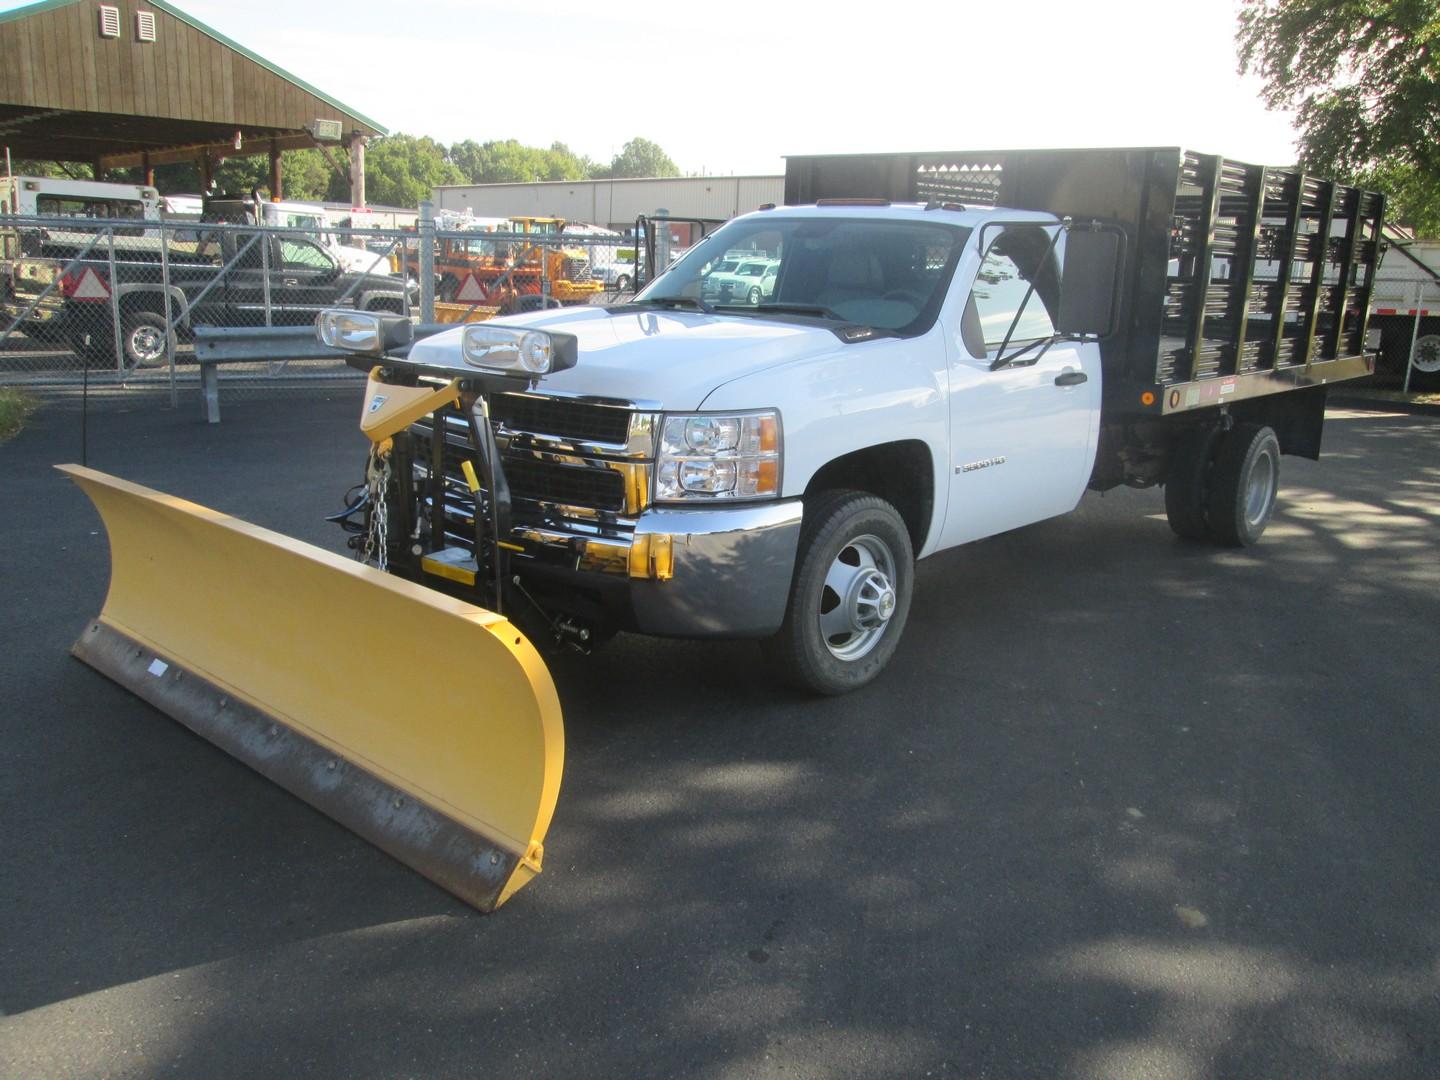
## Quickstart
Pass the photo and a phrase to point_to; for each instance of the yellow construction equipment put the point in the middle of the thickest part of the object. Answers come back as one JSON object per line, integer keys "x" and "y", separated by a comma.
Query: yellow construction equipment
{"x": 429, "y": 726}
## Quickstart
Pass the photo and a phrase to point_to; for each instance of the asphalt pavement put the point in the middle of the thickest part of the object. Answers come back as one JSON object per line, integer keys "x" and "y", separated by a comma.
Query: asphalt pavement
{"x": 1123, "y": 806}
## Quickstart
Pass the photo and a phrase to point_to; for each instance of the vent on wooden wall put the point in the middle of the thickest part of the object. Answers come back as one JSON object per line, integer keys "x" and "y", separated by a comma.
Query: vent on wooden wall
{"x": 109, "y": 21}
{"x": 144, "y": 26}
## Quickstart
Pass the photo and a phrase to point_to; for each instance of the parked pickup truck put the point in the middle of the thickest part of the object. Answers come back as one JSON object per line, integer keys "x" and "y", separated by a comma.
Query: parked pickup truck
{"x": 216, "y": 276}
{"x": 956, "y": 345}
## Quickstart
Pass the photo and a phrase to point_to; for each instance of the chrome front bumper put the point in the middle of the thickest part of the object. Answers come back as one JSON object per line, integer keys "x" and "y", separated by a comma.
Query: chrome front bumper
{"x": 701, "y": 572}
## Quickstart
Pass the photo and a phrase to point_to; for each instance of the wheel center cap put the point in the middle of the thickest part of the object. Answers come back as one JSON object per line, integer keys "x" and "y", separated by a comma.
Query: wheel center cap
{"x": 886, "y": 606}
{"x": 872, "y": 600}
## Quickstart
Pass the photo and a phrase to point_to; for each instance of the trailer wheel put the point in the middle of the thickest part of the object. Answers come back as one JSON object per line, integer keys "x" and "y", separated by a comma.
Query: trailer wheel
{"x": 850, "y": 595}
{"x": 1243, "y": 485}
{"x": 1185, "y": 496}
{"x": 1426, "y": 372}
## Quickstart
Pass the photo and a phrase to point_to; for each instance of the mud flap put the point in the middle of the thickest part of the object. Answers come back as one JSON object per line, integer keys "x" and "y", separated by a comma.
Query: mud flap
{"x": 427, "y": 725}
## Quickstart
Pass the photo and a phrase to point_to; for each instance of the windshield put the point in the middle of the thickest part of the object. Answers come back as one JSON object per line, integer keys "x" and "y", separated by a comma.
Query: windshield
{"x": 877, "y": 272}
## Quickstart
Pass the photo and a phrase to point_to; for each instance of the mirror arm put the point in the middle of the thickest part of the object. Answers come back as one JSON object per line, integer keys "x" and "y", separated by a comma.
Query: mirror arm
{"x": 1064, "y": 224}
{"x": 1003, "y": 361}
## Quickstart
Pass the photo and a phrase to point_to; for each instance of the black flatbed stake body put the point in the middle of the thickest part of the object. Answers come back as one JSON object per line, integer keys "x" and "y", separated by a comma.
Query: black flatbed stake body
{"x": 1243, "y": 281}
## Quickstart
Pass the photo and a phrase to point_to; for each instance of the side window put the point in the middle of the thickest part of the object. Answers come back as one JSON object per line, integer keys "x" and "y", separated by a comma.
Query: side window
{"x": 1017, "y": 258}
{"x": 302, "y": 255}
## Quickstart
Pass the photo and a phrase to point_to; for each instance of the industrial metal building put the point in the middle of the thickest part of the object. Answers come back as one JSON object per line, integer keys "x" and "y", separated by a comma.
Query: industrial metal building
{"x": 615, "y": 203}
{"x": 127, "y": 83}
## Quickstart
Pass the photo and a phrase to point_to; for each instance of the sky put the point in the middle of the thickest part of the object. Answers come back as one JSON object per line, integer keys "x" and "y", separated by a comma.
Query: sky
{"x": 730, "y": 88}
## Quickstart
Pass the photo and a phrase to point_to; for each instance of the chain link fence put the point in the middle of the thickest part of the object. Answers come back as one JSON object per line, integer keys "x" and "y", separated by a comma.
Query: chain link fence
{"x": 110, "y": 307}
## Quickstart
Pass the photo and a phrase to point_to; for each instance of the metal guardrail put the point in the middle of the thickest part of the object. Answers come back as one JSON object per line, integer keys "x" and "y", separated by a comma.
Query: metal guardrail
{"x": 216, "y": 345}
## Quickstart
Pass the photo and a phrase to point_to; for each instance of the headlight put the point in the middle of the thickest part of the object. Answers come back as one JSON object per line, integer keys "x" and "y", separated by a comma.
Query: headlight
{"x": 719, "y": 457}
{"x": 514, "y": 351}
{"x": 357, "y": 331}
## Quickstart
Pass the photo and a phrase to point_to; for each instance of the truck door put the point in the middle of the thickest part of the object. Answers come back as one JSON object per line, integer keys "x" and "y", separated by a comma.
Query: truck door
{"x": 305, "y": 282}
{"x": 1022, "y": 436}
{"x": 239, "y": 298}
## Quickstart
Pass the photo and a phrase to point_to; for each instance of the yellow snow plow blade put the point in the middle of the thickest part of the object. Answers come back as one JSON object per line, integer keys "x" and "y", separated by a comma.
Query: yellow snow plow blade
{"x": 427, "y": 725}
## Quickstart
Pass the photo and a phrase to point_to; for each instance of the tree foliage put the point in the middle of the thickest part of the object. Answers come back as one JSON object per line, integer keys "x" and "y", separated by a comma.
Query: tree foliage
{"x": 401, "y": 170}
{"x": 509, "y": 161}
{"x": 1363, "y": 77}
{"x": 639, "y": 157}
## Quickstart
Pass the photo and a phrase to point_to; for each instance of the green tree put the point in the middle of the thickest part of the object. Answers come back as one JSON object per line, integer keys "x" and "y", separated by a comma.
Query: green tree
{"x": 639, "y": 157}
{"x": 401, "y": 170}
{"x": 502, "y": 161}
{"x": 1363, "y": 77}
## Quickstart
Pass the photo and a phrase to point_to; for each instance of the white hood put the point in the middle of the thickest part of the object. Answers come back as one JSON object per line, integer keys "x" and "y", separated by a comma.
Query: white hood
{"x": 673, "y": 358}
{"x": 361, "y": 261}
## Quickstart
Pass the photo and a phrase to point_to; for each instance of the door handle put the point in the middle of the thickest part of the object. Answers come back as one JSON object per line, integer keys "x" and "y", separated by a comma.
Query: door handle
{"x": 290, "y": 281}
{"x": 1071, "y": 378}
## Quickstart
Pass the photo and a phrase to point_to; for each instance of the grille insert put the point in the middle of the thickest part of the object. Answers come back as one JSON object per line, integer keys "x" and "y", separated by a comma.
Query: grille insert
{"x": 562, "y": 418}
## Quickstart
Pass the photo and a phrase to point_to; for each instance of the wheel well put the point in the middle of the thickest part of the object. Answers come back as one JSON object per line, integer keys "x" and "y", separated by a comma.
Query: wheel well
{"x": 387, "y": 303}
{"x": 901, "y": 473}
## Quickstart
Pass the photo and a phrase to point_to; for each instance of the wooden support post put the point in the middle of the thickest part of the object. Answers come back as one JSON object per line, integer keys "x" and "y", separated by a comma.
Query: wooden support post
{"x": 276, "y": 180}
{"x": 149, "y": 170}
{"x": 357, "y": 170}
{"x": 205, "y": 172}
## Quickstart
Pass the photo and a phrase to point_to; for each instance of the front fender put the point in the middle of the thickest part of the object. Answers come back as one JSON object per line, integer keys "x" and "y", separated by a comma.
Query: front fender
{"x": 851, "y": 398}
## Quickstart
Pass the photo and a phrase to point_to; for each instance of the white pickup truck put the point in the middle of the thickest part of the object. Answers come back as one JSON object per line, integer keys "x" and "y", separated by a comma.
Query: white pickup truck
{"x": 956, "y": 345}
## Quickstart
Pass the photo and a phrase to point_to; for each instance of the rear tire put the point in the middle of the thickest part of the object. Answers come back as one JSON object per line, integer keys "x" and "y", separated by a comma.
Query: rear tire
{"x": 1243, "y": 485}
{"x": 1185, "y": 494}
{"x": 850, "y": 595}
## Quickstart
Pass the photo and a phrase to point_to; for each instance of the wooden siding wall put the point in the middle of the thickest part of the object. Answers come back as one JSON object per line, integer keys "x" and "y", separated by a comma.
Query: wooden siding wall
{"x": 57, "y": 59}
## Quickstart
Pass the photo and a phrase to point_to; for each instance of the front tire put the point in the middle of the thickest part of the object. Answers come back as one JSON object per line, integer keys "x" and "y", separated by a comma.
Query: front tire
{"x": 622, "y": 283}
{"x": 1243, "y": 485}
{"x": 754, "y": 295}
{"x": 850, "y": 595}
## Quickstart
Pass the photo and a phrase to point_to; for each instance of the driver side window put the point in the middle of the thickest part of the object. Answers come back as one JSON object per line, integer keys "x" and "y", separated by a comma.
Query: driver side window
{"x": 1014, "y": 260}
{"x": 302, "y": 255}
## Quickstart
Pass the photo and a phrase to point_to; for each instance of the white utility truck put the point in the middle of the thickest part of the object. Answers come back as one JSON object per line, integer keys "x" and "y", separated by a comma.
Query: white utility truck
{"x": 54, "y": 197}
{"x": 308, "y": 217}
{"x": 956, "y": 344}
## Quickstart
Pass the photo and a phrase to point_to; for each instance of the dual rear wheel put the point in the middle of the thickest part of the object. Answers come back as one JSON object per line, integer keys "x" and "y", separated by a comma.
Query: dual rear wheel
{"x": 1222, "y": 484}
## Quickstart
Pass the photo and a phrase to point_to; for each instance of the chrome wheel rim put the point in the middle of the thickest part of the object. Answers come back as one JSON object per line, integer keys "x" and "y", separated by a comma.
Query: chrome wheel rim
{"x": 858, "y": 598}
{"x": 147, "y": 344}
{"x": 1260, "y": 487}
